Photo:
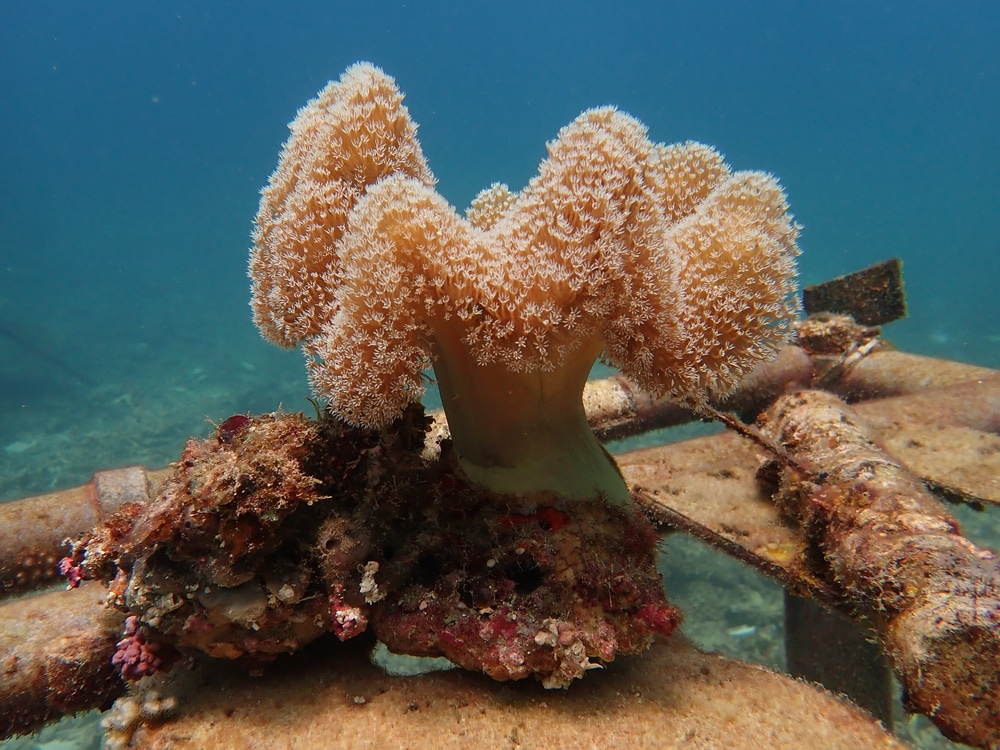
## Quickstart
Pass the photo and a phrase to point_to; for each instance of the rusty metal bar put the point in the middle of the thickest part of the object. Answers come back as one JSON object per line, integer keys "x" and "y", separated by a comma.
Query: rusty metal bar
{"x": 844, "y": 656}
{"x": 616, "y": 409}
{"x": 35, "y": 528}
{"x": 897, "y": 558}
{"x": 707, "y": 486}
{"x": 891, "y": 373}
{"x": 55, "y": 656}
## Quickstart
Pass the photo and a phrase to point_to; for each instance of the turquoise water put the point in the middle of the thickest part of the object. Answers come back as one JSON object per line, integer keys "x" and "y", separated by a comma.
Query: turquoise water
{"x": 134, "y": 138}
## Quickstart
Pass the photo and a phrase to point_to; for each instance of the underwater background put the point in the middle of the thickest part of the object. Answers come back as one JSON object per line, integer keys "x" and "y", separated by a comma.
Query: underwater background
{"x": 134, "y": 138}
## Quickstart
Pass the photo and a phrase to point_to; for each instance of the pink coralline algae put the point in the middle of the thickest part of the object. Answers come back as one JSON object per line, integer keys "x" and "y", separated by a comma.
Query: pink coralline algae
{"x": 136, "y": 657}
{"x": 347, "y": 620}
{"x": 71, "y": 572}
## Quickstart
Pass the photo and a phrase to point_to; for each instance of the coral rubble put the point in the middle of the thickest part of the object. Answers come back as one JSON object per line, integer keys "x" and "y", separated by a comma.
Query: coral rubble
{"x": 518, "y": 590}
{"x": 272, "y": 534}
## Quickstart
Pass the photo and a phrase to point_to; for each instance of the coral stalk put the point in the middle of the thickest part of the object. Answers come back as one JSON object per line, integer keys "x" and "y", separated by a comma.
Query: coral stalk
{"x": 518, "y": 431}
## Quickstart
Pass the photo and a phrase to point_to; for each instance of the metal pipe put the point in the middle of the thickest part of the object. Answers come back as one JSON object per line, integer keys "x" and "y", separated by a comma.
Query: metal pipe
{"x": 897, "y": 558}
{"x": 55, "y": 656}
{"x": 36, "y": 528}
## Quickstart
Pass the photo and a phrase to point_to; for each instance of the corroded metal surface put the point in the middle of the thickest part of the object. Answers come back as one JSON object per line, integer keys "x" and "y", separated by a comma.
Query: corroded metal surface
{"x": 35, "y": 528}
{"x": 706, "y": 487}
{"x": 959, "y": 463}
{"x": 946, "y": 436}
{"x": 617, "y": 409}
{"x": 886, "y": 372}
{"x": 896, "y": 557}
{"x": 873, "y": 295}
{"x": 55, "y": 657}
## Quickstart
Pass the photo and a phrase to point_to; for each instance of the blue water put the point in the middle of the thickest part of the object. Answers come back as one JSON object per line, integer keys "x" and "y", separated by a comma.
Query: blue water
{"x": 134, "y": 138}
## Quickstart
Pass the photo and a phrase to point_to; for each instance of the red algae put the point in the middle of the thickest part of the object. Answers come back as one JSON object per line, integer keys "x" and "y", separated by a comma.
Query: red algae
{"x": 233, "y": 426}
{"x": 547, "y": 516}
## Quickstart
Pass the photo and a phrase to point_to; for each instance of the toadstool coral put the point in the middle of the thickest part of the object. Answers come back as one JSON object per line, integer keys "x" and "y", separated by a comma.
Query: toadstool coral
{"x": 657, "y": 258}
{"x": 514, "y": 550}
